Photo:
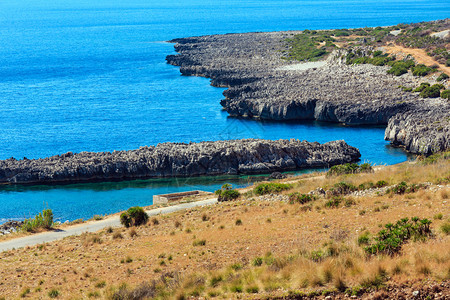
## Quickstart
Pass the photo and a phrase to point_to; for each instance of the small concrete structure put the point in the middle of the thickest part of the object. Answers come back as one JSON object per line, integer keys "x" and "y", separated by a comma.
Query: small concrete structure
{"x": 165, "y": 198}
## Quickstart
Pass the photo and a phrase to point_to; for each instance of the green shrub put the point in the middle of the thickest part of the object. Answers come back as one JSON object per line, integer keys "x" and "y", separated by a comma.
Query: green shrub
{"x": 445, "y": 228}
{"x": 381, "y": 183}
{"x": 252, "y": 290}
{"x": 350, "y": 168}
{"x": 303, "y": 47}
{"x": 433, "y": 91}
{"x": 400, "y": 67}
{"x": 421, "y": 87}
{"x": 54, "y": 293}
{"x": 422, "y": 70}
{"x": 438, "y": 216}
{"x": 317, "y": 256}
{"x": 390, "y": 240}
{"x": 399, "y": 188}
{"x": 342, "y": 188}
{"x": 215, "y": 281}
{"x": 364, "y": 239}
{"x": 406, "y": 89}
{"x": 271, "y": 188}
{"x": 257, "y": 261}
{"x": 25, "y": 292}
{"x": 199, "y": 243}
{"x": 334, "y": 202}
{"x": 445, "y": 94}
{"x": 42, "y": 220}
{"x": 442, "y": 77}
{"x": 227, "y": 193}
{"x": 300, "y": 198}
{"x": 134, "y": 216}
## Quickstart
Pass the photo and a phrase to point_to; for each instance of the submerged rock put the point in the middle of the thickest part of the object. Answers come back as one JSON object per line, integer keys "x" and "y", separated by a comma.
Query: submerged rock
{"x": 262, "y": 85}
{"x": 249, "y": 156}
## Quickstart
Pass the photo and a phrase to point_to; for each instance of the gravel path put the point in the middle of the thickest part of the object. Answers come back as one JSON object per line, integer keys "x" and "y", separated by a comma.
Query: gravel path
{"x": 93, "y": 226}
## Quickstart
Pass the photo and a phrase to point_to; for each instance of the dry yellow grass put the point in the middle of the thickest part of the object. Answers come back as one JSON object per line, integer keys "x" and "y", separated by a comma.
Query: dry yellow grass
{"x": 285, "y": 236}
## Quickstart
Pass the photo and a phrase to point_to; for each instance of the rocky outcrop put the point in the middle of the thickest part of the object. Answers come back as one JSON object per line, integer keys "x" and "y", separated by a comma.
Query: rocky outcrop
{"x": 261, "y": 86}
{"x": 10, "y": 226}
{"x": 250, "y": 156}
{"x": 422, "y": 130}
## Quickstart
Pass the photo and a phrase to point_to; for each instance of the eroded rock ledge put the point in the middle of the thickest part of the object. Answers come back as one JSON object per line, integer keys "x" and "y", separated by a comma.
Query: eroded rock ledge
{"x": 261, "y": 87}
{"x": 249, "y": 156}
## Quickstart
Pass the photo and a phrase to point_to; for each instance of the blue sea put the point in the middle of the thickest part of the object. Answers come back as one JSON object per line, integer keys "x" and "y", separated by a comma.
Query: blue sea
{"x": 79, "y": 75}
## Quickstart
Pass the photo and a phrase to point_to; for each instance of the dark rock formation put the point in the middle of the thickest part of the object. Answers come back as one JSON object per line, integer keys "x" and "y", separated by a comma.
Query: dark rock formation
{"x": 248, "y": 156}
{"x": 424, "y": 130}
{"x": 277, "y": 175}
{"x": 264, "y": 86}
{"x": 10, "y": 226}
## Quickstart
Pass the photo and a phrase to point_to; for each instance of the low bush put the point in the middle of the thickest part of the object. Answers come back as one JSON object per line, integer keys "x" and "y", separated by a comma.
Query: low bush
{"x": 381, "y": 183}
{"x": 445, "y": 94}
{"x": 390, "y": 240}
{"x": 54, "y": 293}
{"x": 403, "y": 188}
{"x": 364, "y": 239}
{"x": 199, "y": 243}
{"x": 350, "y": 168}
{"x": 271, "y": 188}
{"x": 406, "y": 89}
{"x": 227, "y": 193}
{"x": 257, "y": 262}
{"x": 342, "y": 188}
{"x": 422, "y": 70}
{"x": 421, "y": 87}
{"x": 43, "y": 220}
{"x": 399, "y": 68}
{"x": 134, "y": 216}
{"x": 300, "y": 198}
{"x": 399, "y": 188}
{"x": 433, "y": 91}
{"x": 445, "y": 228}
{"x": 442, "y": 76}
{"x": 334, "y": 202}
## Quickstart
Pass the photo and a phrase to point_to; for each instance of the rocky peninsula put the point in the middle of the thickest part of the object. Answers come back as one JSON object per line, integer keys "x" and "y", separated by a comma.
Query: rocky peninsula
{"x": 263, "y": 85}
{"x": 234, "y": 157}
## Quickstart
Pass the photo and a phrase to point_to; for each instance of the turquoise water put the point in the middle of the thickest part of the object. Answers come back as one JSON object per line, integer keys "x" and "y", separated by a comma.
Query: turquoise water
{"x": 91, "y": 76}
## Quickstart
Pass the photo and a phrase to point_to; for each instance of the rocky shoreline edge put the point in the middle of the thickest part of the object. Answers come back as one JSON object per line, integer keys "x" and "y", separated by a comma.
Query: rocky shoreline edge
{"x": 233, "y": 157}
{"x": 263, "y": 85}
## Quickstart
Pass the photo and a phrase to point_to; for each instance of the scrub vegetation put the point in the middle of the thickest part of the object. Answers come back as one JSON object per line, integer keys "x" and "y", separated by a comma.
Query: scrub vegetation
{"x": 370, "y": 45}
{"x": 357, "y": 234}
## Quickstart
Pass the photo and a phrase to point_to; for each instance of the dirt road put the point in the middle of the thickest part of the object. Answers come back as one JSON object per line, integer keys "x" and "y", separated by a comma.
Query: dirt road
{"x": 420, "y": 55}
{"x": 93, "y": 226}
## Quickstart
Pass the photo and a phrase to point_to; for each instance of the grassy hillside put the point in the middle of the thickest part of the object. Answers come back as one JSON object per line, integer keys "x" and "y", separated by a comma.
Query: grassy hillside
{"x": 269, "y": 246}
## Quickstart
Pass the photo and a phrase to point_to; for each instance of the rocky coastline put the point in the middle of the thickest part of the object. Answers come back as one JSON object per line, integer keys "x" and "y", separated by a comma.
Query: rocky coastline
{"x": 260, "y": 86}
{"x": 234, "y": 157}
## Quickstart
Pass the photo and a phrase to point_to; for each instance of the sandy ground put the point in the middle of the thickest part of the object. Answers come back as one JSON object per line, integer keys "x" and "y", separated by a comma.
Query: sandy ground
{"x": 441, "y": 34}
{"x": 302, "y": 66}
{"x": 420, "y": 55}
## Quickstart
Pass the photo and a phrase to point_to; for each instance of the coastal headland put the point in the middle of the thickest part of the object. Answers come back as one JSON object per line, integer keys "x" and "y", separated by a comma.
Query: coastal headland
{"x": 345, "y": 76}
{"x": 233, "y": 157}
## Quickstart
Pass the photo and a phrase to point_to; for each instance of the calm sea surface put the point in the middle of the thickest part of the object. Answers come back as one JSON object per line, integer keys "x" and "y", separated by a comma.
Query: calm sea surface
{"x": 81, "y": 75}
